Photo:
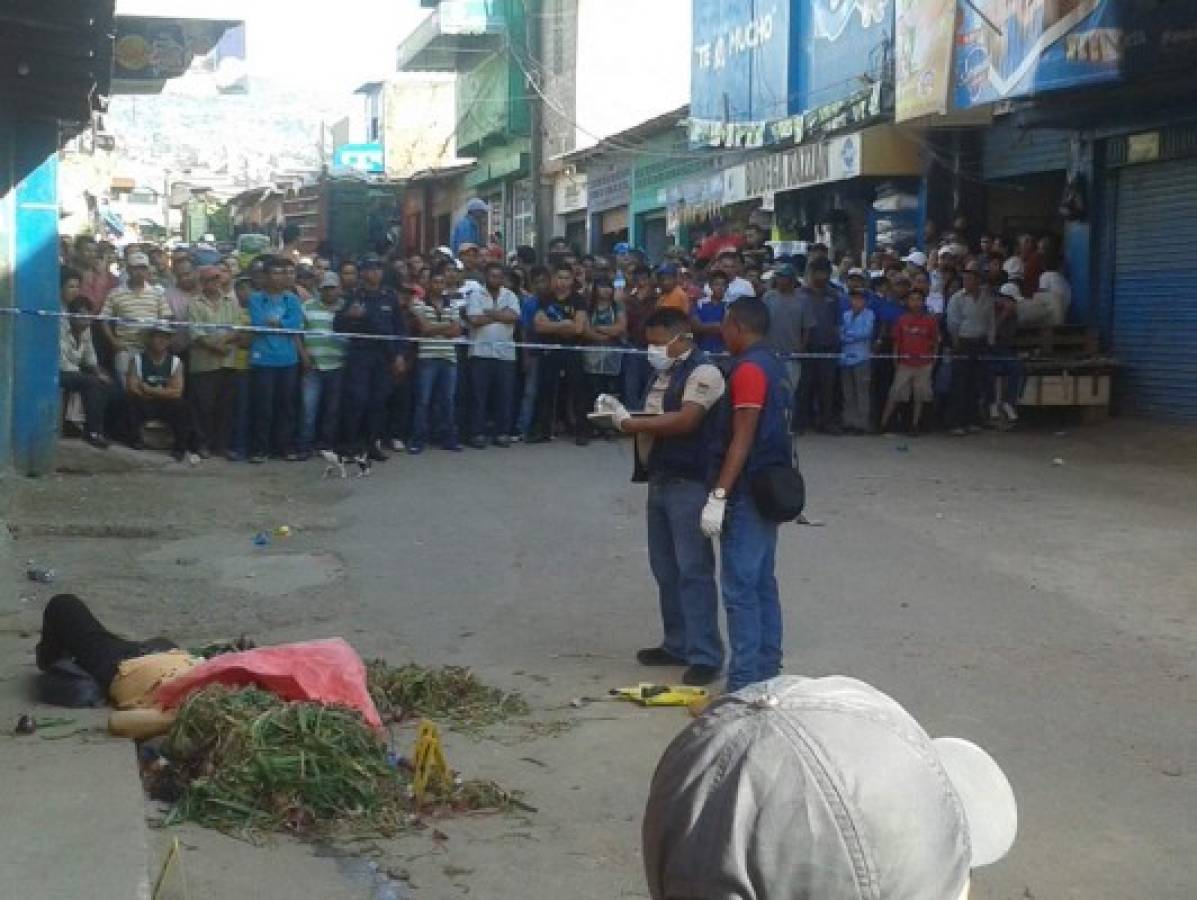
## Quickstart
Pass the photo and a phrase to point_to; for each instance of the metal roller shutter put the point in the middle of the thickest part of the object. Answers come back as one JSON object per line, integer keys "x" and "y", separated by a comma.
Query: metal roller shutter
{"x": 1154, "y": 330}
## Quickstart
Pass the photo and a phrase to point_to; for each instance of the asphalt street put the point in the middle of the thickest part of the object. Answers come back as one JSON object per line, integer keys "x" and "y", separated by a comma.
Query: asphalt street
{"x": 1032, "y": 592}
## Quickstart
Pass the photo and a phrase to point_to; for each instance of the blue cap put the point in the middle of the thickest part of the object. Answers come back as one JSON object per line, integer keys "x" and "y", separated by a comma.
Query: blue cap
{"x": 785, "y": 270}
{"x": 622, "y": 248}
{"x": 667, "y": 269}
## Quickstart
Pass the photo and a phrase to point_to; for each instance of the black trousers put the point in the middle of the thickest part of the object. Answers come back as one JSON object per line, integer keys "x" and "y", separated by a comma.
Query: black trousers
{"x": 275, "y": 391}
{"x": 212, "y": 405}
{"x": 96, "y": 394}
{"x": 562, "y": 370}
{"x": 968, "y": 381}
{"x": 70, "y": 631}
{"x": 366, "y": 388}
{"x": 817, "y": 385}
{"x": 174, "y": 413}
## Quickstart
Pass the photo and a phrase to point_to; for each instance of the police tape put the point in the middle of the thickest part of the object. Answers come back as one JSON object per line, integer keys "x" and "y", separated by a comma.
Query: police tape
{"x": 175, "y": 326}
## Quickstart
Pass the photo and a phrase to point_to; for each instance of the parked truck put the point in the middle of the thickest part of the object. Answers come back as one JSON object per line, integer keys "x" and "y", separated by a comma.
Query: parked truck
{"x": 350, "y": 215}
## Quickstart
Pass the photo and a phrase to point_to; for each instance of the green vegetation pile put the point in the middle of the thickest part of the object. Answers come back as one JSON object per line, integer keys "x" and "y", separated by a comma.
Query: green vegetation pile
{"x": 243, "y": 761}
{"x": 452, "y": 694}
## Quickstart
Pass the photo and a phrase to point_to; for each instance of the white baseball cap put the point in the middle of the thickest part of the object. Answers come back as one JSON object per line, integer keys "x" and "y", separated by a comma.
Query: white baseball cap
{"x": 330, "y": 279}
{"x": 138, "y": 259}
{"x": 821, "y": 788}
{"x": 1009, "y": 289}
{"x": 1014, "y": 267}
{"x": 916, "y": 258}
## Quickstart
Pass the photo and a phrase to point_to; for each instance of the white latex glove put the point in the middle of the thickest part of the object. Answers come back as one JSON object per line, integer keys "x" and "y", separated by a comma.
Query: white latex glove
{"x": 605, "y": 403}
{"x": 712, "y": 516}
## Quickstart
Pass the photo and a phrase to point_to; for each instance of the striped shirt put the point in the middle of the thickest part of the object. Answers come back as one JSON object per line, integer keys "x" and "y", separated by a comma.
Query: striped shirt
{"x": 428, "y": 314}
{"x": 147, "y": 304}
{"x": 327, "y": 353}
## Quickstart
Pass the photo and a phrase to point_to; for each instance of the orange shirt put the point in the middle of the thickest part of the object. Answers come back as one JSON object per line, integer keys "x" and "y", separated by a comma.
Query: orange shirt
{"x": 675, "y": 299}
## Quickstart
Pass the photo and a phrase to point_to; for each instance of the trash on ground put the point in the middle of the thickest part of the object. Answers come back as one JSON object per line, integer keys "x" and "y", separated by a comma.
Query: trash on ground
{"x": 40, "y": 575}
{"x": 261, "y": 539}
{"x": 1058, "y": 461}
{"x": 645, "y": 694}
{"x": 283, "y": 531}
{"x": 430, "y": 772}
{"x": 26, "y": 724}
{"x": 244, "y": 761}
{"x": 452, "y": 694}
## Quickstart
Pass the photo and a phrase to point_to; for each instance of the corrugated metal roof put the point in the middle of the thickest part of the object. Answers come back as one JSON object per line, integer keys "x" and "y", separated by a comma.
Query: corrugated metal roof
{"x": 1155, "y": 289}
{"x": 55, "y": 58}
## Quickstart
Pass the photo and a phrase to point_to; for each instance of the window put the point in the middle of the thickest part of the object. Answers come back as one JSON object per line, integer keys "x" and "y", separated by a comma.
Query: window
{"x": 143, "y": 198}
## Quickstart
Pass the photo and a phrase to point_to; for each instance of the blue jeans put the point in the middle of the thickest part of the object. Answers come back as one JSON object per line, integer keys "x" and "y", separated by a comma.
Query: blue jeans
{"x": 436, "y": 390}
{"x": 528, "y": 398}
{"x": 1005, "y": 365}
{"x": 683, "y": 563}
{"x": 749, "y": 551}
{"x": 493, "y": 388}
{"x": 636, "y": 375}
{"x": 321, "y": 404}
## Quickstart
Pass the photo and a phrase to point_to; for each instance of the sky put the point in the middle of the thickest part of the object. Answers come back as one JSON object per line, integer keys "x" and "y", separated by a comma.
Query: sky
{"x": 329, "y": 47}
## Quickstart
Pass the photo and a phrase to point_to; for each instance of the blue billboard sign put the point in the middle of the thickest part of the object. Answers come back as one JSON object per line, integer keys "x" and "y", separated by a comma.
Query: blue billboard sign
{"x": 364, "y": 158}
{"x": 843, "y": 50}
{"x": 1016, "y": 48}
{"x": 740, "y": 62}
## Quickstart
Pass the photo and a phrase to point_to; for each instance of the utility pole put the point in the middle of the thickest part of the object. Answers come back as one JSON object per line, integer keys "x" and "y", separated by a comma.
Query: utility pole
{"x": 541, "y": 210}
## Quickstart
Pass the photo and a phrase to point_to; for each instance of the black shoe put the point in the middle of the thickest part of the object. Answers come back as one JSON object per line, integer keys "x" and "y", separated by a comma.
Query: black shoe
{"x": 539, "y": 439}
{"x": 701, "y": 676}
{"x": 178, "y": 455}
{"x": 96, "y": 439}
{"x": 658, "y": 656}
{"x": 376, "y": 454}
{"x": 582, "y": 440}
{"x": 502, "y": 442}
{"x": 477, "y": 443}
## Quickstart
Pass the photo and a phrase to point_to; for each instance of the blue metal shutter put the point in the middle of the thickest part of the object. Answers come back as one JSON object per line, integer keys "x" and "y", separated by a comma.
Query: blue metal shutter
{"x": 1155, "y": 289}
{"x": 1009, "y": 152}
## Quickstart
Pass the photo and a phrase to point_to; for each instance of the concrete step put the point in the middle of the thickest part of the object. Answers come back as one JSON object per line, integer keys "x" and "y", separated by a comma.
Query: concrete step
{"x": 74, "y": 812}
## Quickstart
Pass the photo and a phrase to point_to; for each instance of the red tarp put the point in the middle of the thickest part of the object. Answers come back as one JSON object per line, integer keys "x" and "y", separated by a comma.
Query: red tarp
{"x": 328, "y": 671}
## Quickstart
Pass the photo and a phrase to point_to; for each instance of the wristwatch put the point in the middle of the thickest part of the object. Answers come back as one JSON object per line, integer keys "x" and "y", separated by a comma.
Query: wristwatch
{"x": 719, "y": 494}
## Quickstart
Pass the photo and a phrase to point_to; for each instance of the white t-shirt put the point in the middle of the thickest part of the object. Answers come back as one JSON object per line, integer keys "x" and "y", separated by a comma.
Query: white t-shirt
{"x": 1056, "y": 285}
{"x": 492, "y": 341}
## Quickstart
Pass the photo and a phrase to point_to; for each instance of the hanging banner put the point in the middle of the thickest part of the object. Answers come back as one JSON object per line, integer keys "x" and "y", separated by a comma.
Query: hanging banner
{"x": 1015, "y": 48}
{"x": 924, "y": 31}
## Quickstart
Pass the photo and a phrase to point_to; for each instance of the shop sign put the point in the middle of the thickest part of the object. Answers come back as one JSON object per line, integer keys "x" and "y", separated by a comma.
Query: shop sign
{"x": 1006, "y": 50}
{"x": 740, "y": 64}
{"x": 843, "y": 44}
{"x": 803, "y": 166}
{"x": 154, "y": 48}
{"x": 924, "y": 31}
{"x": 609, "y": 188}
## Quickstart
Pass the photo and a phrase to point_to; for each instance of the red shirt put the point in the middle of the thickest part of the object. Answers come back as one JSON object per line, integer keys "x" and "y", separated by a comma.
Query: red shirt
{"x": 914, "y": 339}
{"x": 714, "y": 245}
{"x": 749, "y": 387}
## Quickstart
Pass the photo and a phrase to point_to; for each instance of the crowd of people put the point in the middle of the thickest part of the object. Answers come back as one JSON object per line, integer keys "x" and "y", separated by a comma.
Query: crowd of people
{"x": 465, "y": 348}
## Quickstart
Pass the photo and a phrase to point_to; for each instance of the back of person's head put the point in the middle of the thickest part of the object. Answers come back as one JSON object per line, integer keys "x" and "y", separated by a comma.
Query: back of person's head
{"x": 525, "y": 255}
{"x": 751, "y": 314}
{"x": 671, "y": 320}
{"x": 818, "y": 264}
{"x": 821, "y": 789}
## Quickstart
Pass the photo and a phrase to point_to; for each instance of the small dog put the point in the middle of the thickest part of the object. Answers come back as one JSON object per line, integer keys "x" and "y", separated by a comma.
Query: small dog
{"x": 339, "y": 464}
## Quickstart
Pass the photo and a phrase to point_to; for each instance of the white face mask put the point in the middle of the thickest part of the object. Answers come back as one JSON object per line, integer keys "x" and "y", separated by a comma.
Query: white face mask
{"x": 658, "y": 357}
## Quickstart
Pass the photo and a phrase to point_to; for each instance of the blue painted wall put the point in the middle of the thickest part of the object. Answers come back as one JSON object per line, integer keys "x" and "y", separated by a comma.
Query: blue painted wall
{"x": 29, "y": 268}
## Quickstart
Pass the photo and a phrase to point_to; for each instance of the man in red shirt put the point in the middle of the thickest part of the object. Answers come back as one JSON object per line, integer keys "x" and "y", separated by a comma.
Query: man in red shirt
{"x": 916, "y": 341}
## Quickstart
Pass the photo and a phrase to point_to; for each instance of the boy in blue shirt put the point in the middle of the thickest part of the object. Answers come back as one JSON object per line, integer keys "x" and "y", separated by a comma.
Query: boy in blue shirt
{"x": 856, "y": 340}
{"x": 274, "y": 365}
{"x": 707, "y": 319}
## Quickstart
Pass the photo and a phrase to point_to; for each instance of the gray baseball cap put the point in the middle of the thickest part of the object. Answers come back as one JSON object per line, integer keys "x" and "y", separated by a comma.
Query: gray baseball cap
{"x": 821, "y": 789}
